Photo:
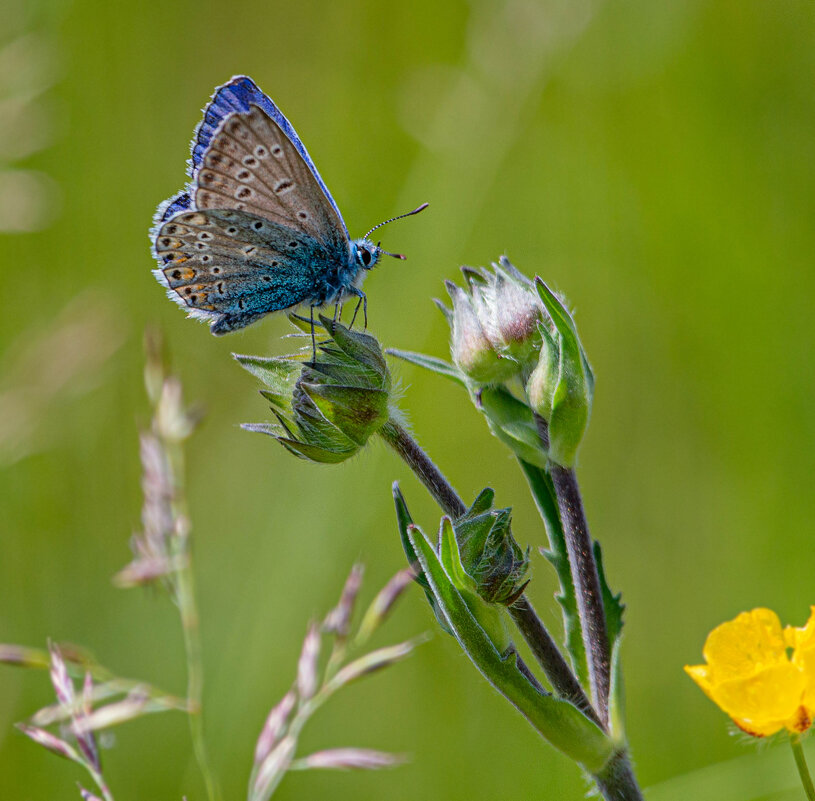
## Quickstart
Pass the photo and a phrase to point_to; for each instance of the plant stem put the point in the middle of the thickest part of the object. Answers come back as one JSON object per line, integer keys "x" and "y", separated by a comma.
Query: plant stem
{"x": 587, "y": 585}
{"x": 548, "y": 655}
{"x": 424, "y": 468}
{"x": 801, "y": 764}
{"x": 195, "y": 677}
{"x": 185, "y": 599}
{"x": 101, "y": 784}
{"x": 529, "y": 624}
{"x": 616, "y": 780}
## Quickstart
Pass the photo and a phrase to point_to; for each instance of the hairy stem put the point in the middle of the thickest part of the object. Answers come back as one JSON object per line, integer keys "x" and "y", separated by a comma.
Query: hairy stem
{"x": 424, "y": 468}
{"x": 548, "y": 655}
{"x": 801, "y": 764}
{"x": 616, "y": 781}
{"x": 587, "y": 586}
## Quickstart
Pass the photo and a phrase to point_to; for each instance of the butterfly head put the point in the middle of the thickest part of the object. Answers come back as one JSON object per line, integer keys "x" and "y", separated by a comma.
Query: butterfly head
{"x": 366, "y": 253}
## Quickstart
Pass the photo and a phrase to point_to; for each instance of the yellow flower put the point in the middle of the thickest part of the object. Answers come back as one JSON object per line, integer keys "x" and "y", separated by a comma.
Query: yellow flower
{"x": 750, "y": 676}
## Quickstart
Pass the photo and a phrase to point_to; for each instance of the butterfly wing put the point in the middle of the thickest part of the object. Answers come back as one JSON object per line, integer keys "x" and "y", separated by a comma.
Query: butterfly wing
{"x": 231, "y": 267}
{"x": 240, "y": 96}
{"x": 250, "y": 165}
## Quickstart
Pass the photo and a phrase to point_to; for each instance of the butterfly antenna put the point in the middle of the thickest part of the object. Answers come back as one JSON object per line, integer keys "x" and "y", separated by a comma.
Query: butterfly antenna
{"x": 392, "y": 219}
{"x": 388, "y": 253}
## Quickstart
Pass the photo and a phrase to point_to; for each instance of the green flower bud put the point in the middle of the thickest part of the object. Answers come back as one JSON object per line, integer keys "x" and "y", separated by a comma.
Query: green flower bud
{"x": 327, "y": 409}
{"x": 489, "y": 553}
{"x": 561, "y": 387}
{"x": 481, "y": 558}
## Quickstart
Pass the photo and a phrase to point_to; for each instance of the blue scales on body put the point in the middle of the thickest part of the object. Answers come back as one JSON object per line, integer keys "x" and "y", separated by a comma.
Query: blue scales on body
{"x": 256, "y": 231}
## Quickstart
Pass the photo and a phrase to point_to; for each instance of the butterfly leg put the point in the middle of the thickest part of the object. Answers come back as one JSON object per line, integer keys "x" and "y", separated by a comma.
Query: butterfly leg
{"x": 337, "y": 310}
{"x": 363, "y": 300}
{"x": 313, "y": 339}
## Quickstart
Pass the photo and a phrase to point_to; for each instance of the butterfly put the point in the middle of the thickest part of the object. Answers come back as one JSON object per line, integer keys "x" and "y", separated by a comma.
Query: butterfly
{"x": 256, "y": 230}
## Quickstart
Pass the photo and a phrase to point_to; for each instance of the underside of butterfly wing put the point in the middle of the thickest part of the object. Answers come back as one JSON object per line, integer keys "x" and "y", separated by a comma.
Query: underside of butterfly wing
{"x": 250, "y": 165}
{"x": 231, "y": 267}
{"x": 239, "y": 95}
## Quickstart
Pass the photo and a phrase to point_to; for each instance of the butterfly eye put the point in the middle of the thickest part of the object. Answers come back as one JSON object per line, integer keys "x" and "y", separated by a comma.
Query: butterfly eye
{"x": 365, "y": 256}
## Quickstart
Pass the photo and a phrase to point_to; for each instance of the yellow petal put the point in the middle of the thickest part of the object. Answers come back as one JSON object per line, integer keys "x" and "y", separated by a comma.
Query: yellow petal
{"x": 767, "y": 699}
{"x": 744, "y": 646}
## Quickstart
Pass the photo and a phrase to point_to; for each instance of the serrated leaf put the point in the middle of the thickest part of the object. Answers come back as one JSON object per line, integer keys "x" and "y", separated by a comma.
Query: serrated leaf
{"x": 612, "y": 603}
{"x": 429, "y": 363}
{"x": 543, "y": 492}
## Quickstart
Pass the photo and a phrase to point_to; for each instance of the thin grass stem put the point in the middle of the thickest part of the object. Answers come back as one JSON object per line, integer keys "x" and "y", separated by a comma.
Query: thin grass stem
{"x": 184, "y": 587}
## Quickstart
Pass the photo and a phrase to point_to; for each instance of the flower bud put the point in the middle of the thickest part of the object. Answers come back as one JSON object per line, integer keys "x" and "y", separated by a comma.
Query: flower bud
{"x": 327, "y": 409}
{"x": 561, "y": 387}
{"x": 472, "y": 351}
{"x": 494, "y": 323}
{"x": 482, "y": 561}
{"x": 489, "y": 552}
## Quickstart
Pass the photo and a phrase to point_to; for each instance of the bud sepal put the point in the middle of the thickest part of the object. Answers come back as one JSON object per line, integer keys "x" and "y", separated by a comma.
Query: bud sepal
{"x": 328, "y": 408}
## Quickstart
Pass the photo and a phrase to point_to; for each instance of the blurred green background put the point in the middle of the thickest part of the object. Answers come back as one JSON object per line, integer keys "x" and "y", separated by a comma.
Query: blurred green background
{"x": 655, "y": 161}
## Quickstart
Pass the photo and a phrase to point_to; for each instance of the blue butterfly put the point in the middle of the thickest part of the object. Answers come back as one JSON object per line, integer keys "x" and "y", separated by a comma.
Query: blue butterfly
{"x": 256, "y": 230}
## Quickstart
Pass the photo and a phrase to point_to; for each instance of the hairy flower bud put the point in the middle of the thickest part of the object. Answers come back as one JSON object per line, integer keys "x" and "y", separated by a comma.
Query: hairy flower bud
{"x": 494, "y": 323}
{"x": 326, "y": 409}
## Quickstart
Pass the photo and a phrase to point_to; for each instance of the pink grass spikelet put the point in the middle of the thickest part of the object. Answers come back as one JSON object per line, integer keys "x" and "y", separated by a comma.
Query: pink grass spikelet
{"x": 273, "y": 769}
{"x": 51, "y": 742}
{"x": 338, "y": 620}
{"x": 381, "y": 606}
{"x": 307, "y": 665}
{"x": 274, "y": 726}
{"x": 63, "y": 686}
{"x": 84, "y": 736}
{"x": 351, "y": 759}
{"x": 376, "y": 660}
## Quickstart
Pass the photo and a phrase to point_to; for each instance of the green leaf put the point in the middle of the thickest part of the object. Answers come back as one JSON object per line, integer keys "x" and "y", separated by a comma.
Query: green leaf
{"x": 557, "y": 720}
{"x": 312, "y": 453}
{"x": 481, "y": 504}
{"x": 429, "y": 363}
{"x": 572, "y": 396}
{"x": 543, "y": 492}
{"x": 451, "y": 558}
{"x": 404, "y": 521}
{"x": 279, "y": 374}
{"x": 491, "y": 617}
{"x": 612, "y": 603}
{"x": 512, "y": 421}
